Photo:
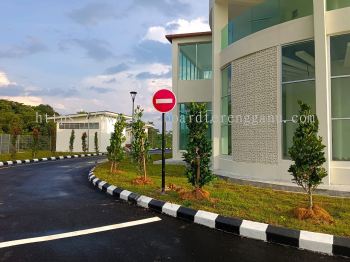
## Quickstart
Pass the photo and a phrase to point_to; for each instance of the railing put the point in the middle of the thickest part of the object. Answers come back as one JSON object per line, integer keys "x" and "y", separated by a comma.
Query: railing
{"x": 262, "y": 16}
{"x": 337, "y": 4}
{"x": 23, "y": 143}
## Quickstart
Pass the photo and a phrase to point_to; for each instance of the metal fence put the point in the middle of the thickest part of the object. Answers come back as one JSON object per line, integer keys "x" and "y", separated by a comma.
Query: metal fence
{"x": 23, "y": 143}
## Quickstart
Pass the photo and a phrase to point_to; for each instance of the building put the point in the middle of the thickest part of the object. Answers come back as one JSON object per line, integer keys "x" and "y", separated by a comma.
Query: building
{"x": 101, "y": 123}
{"x": 259, "y": 59}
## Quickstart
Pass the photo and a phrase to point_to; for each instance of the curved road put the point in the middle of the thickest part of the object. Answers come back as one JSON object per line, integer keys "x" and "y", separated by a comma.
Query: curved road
{"x": 55, "y": 197}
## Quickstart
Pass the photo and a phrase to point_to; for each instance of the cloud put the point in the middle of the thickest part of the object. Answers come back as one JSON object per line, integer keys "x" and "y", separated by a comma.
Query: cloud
{"x": 116, "y": 69}
{"x": 93, "y": 13}
{"x": 100, "y": 90}
{"x": 95, "y": 49}
{"x": 110, "y": 81}
{"x": 28, "y": 100}
{"x": 179, "y": 26}
{"x": 148, "y": 75}
{"x": 54, "y": 92}
{"x": 28, "y": 47}
{"x": 4, "y": 81}
{"x": 153, "y": 52}
{"x": 169, "y": 8}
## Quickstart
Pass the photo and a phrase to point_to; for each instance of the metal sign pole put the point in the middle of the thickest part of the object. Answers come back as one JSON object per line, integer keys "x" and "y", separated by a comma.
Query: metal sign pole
{"x": 163, "y": 152}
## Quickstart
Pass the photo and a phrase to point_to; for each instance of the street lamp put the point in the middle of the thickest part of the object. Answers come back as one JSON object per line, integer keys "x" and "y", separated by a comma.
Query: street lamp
{"x": 133, "y": 96}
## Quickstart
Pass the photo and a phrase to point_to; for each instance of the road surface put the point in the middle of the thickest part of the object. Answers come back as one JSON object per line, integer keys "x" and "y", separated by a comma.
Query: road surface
{"x": 55, "y": 199}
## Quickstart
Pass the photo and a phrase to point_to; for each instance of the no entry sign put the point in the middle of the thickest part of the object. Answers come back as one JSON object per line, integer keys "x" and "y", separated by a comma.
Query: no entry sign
{"x": 164, "y": 100}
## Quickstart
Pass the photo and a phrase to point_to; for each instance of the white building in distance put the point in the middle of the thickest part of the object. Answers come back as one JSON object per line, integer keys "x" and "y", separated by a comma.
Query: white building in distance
{"x": 101, "y": 123}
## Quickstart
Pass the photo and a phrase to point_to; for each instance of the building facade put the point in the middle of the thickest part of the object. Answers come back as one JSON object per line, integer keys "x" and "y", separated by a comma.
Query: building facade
{"x": 101, "y": 123}
{"x": 260, "y": 58}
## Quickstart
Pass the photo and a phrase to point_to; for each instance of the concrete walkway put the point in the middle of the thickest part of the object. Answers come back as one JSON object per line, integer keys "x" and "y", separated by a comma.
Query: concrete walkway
{"x": 329, "y": 190}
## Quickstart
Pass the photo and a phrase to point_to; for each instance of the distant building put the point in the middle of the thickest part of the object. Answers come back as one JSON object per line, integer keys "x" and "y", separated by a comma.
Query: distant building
{"x": 100, "y": 122}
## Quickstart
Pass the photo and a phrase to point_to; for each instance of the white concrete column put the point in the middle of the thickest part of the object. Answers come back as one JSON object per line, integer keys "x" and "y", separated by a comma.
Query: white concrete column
{"x": 219, "y": 21}
{"x": 322, "y": 70}
{"x": 175, "y": 112}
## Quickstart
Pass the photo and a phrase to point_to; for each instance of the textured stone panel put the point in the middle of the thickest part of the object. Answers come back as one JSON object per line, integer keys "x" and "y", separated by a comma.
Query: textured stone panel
{"x": 254, "y": 96}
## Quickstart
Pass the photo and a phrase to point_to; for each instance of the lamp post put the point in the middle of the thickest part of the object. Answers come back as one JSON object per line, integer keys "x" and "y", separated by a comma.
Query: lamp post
{"x": 133, "y": 96}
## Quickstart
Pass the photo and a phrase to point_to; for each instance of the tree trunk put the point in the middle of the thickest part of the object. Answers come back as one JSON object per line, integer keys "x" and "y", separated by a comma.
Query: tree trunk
{"x": 198, "y": 162}
{"x": 143, "y": 160}
{"x": 311, "y": 204}
{"x": 112, "y": 166}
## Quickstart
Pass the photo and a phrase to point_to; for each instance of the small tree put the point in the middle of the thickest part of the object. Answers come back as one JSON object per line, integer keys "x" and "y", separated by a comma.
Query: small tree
{"x": 198, "y": 148}
{"x": 116, "y": 149}
{"x": 35, "y": 143}
{"x": 139, "y": 145}
{"x": 15, "y": 132}
{"x": 71, "y": 141}
{"x": 307, "y": 152}
{"x": 83, "y": 142}
{"x": 96, "y": 142}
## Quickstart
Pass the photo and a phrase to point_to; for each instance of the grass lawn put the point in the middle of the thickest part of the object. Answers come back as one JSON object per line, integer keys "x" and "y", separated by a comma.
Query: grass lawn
{"x": 28, "y": 155}
{"x": 229, "y": 199}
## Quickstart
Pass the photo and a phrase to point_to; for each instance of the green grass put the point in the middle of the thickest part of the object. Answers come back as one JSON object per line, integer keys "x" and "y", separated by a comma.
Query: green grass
{"x": 28, "y": 155}
{"x": 229, "y": 199}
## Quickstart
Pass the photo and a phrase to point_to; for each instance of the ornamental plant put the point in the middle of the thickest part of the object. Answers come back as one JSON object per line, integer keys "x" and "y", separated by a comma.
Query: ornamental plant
{"x": 199, "y": 150}
{"x": 71, "y": 141}
{"x": 139, "y": 144}
{"x": 96, "y": 143}
{"x": 307, "y": 153}
{"x": 83, "y": 142}
{"x": 35, "y": 143}
{"x": 115, "y": 150}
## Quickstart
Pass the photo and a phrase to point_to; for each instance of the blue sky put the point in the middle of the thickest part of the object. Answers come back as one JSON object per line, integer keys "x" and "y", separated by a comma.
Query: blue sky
{"x": 88, "y": 55}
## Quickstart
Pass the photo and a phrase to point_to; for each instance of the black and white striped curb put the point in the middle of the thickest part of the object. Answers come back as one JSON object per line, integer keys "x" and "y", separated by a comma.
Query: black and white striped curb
{"x": 35, "y": 160}
{"x": 317, "y": 242}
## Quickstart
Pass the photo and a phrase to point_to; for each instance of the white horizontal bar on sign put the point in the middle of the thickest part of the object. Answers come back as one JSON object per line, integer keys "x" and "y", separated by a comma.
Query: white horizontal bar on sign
{"x": 164, "y": 101}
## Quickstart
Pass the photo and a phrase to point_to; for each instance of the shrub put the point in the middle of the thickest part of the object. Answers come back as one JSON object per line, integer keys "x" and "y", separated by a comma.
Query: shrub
{"x": 307, "y": 153}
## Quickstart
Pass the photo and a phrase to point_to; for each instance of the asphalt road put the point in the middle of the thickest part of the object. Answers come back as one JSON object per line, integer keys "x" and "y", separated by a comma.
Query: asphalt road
{"x": 55, "y": 197}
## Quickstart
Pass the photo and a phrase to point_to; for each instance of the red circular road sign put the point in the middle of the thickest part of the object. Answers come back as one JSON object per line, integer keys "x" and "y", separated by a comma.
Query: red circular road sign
{"x": 164, "y": 100}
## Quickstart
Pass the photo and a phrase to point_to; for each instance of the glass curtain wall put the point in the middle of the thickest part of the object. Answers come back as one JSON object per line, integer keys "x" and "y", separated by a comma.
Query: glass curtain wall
{"x": 262, "y": 16}
{"x": 226, "y": 128}
{"x": 195, "y": 61}
{"x": 183, "y": 134}
{"x": 340, "y": 74}
{"x": 298, "y": 83}
{"x": 337, "y": 4}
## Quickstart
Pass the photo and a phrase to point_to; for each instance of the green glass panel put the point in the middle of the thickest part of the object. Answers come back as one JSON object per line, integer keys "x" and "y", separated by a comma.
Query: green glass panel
{"x": 341, "y": 140}
{"x": 340, "y": 55}
{"x": 288, "y": 130}
{"x": 226, "y": 140}
{"x": 183, "y": 134}
{"x": 224, "y": 37}
{"x": 262, "y": 16}
{"x": 340, "y": 97}
{"x": 337, "y": 4}
{"x": 195, "y": 61}
{"x": 291, "y": 93}
{"x": 226, "y": 81}
{"x": 298, "y": 61}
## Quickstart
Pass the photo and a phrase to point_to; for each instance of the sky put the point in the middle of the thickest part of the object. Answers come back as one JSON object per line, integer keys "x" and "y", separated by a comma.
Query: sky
{"x": 88, "y": 55}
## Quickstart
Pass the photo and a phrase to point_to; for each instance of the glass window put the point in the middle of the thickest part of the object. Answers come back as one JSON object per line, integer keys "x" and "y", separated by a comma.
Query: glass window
{"x": 337, "y": 4}
{"x": 298, "y": 73}
{"x": 79, "y": 125}
{"x": 261, "y": 16}
{"x": 226, "y": 128}
{"x": 340, "y": 71}
{"x": 195, "y": 61}
{"x": 183, "y": 136}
